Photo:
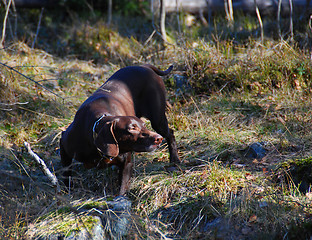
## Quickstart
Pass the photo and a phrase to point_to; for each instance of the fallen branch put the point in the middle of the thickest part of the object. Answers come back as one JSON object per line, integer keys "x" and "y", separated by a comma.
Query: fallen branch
{"x": 12, "y": 104}
{"x": 7, "y": 105}
{"x": 44, "y": 168}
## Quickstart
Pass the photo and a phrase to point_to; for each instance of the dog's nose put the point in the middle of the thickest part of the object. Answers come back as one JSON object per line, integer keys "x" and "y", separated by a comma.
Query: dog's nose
{"x": 158, "y": 139}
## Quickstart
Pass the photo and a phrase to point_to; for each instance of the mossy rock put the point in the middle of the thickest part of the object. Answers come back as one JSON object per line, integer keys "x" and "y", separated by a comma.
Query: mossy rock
{"x": 91, "y": 219}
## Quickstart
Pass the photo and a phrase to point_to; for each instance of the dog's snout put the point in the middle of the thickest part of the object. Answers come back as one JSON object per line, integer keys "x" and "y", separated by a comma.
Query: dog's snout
{"x": 158, "y": 139}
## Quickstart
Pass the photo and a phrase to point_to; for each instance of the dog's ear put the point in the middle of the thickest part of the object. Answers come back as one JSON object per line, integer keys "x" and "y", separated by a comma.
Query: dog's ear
{"x": 106, "y": 142}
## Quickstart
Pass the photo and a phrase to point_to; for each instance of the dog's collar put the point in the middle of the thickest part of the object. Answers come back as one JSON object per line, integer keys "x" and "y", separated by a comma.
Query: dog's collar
{"x": 96, "y": 123}
{"x": 105, "y": 158}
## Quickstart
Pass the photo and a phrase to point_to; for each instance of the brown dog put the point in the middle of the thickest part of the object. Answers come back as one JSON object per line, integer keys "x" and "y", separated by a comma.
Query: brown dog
{"x": 108, "y": 123}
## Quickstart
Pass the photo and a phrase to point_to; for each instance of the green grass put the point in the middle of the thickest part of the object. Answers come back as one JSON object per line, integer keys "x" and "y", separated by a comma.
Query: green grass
{"x": 242, "y": 93}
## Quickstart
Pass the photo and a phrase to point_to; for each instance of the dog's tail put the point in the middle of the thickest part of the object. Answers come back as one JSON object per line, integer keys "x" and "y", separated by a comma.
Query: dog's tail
{"x": 159, "y": 72}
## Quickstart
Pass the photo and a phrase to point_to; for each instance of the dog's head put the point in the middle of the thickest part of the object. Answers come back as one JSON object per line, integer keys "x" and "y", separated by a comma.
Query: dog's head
{"x": 125, "y": 134}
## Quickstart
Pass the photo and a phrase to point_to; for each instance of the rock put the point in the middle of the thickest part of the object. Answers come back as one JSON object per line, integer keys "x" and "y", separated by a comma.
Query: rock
{"x": 81, "y": 235}
{"x": 117, "y": 222}
{"x": 98, "y": 231}
{"x": 255, "y": 151}
{"x": 120, "y": 203}
{"x": 110, "y": 221}
{"x": 209, "y": 226}
{"x": 182, "y": 83}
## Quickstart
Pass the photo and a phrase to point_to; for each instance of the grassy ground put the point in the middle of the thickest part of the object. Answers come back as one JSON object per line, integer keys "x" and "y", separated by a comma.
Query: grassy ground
{"x": 241, "y": 92}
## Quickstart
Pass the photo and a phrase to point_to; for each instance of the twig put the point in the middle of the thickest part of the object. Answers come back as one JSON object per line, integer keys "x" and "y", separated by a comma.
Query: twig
{"x": 202, "y": 18}
{"x": 7, "y": 105}
{"x": 279, "y": 18}
{"x": 4, "y": 23}
{"x": 12, "y": 104}
{"x": 291, "y": 25}
{"x": 229, "y": 11}
{"x": 162, "y": 21}
{"x": 20, "y": 164}
{"x": 32, "y": 80}
{"x": 178, "y": 16}
{"x": 90, "y": 8}
{"x": 310, "y": 26}
{"x": 38, "y": 28}
{"x": 163, "y": 236}
{"x": 260, "y": 20}
{"x": 15, "y": 16}
{"x": 226, "y": 8}
{"x": 153, "y": 22}
{"x": 44, "y": 168}
{"x": 9, "y": 22}
{"x": 149, "y": 38}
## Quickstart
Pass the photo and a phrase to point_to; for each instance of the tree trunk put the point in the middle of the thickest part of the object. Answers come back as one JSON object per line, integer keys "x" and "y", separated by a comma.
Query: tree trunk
{"x": 291, "y": 27}
{"x": 162, "y": 19}
{"x": 110, "y": 10}
{"x": 279, "y": 18}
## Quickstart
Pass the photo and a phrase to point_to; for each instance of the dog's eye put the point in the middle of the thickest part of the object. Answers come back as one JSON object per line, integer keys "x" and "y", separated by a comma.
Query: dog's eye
{"x": 133, "y": 127}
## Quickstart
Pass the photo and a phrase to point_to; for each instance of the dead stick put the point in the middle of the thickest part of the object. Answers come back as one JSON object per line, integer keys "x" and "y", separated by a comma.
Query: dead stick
{"x": 38, "y": 28}
{"x": 5, "y": 22}
{"x": 44, "y": 168}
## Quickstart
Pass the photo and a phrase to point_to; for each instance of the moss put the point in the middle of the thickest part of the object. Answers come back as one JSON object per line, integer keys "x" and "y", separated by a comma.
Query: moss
{"x": 65, "y": 221}
{"x": 96, "y": 204}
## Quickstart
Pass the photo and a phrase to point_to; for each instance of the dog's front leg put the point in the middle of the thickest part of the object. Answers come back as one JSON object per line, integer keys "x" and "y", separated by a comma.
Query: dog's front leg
{"x": 125, "y": 174}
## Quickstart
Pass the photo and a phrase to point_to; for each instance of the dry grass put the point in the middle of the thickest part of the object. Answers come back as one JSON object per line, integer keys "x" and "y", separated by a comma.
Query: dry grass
{"x": 242, "y": 94}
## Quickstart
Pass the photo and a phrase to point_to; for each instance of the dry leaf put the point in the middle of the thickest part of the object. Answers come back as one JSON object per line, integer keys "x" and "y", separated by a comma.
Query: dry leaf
{"x": 253, "y": 219}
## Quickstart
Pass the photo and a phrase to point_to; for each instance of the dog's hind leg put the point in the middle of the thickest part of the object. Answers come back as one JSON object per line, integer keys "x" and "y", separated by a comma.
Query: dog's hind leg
{"x": 161, "y": 127}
